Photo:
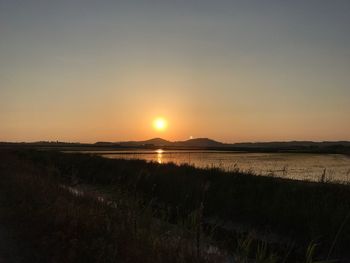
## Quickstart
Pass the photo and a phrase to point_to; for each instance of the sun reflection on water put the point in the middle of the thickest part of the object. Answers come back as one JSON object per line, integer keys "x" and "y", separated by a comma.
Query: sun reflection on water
{"x": 159, "y": 156}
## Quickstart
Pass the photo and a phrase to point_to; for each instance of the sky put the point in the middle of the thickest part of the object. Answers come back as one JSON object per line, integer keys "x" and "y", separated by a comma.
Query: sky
{"x": 234, "y": 71}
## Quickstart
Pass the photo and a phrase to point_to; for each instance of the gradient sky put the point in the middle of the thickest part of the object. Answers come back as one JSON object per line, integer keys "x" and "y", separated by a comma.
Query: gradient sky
{"x": 88, "y": 71}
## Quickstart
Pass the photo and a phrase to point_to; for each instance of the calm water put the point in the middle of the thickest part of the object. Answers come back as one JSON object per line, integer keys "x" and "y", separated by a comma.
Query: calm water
{"x": 290, "y": 165}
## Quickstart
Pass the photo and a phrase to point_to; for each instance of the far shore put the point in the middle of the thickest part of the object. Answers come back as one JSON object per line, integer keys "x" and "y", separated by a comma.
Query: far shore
{"x": 318, "y": 148}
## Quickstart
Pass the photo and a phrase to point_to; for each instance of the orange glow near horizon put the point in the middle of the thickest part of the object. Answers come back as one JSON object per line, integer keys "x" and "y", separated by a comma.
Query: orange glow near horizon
{"x": 232, "y": 71}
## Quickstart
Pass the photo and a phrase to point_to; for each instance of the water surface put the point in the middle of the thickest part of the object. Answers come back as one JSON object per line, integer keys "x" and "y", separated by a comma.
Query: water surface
{"x": 301, "y": 166}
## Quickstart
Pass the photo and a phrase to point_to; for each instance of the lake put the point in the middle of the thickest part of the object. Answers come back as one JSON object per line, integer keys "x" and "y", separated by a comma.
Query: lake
{"x": 300, "y": 166}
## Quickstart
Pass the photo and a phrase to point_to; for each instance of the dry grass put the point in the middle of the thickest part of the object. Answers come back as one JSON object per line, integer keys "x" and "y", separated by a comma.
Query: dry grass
{"x": 156, "y": 212}
{"x": 54, "y": 225}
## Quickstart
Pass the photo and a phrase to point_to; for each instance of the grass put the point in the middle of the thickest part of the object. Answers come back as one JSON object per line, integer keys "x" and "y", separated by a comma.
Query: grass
{"x": 183, "y": 196}
{"x": 51, "y": 224}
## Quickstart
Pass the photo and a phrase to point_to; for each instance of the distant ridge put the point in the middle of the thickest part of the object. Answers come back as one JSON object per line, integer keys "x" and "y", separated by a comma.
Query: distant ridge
{"x": 154, "y": 142}
{"x": 206, "y": 142}
{"x": 341, "y": 147}
{"x": 159, "y": 142}
{"x": 209, "y": 143}
{"x": 199, "y": 142}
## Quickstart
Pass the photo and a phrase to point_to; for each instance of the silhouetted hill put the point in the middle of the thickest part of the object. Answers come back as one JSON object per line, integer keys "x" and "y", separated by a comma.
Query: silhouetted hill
{"x": 152, "y": 142}
{"x": 159, "y": 142}
{"x": 206, "y": 143}
{"x": 199, "y": 142}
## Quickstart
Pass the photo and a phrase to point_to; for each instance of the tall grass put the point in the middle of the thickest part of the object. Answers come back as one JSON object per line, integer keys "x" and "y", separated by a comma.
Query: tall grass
{"x": 55, "y": 224}
{"x": 185, "y": 196}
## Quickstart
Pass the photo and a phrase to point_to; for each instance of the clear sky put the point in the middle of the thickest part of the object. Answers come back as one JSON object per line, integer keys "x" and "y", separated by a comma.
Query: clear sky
{"x": 81, "y": 70}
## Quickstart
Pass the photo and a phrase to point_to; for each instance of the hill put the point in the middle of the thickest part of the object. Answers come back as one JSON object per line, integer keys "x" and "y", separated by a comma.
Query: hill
{"x": 199, "y": 142}
{"x": 152, "y": 142}
{"x": 159, "y": 142}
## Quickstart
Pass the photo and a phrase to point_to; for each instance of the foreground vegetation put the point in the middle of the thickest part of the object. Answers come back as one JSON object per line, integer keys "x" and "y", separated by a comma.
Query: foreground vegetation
{"x": 54, "y": 223}
{"x": 159, "y": 211}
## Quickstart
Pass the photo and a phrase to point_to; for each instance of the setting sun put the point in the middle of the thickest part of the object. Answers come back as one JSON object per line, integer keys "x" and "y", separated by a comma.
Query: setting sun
{"x": 160, "y": 124}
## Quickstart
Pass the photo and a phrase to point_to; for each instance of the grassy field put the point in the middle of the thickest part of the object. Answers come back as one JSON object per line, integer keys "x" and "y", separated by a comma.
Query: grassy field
{"x": 53, "y": 223}
{"x": 164, "y": 210}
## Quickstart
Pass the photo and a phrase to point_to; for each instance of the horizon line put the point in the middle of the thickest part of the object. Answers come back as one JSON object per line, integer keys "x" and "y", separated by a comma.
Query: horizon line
{"x": 172, "y": 141}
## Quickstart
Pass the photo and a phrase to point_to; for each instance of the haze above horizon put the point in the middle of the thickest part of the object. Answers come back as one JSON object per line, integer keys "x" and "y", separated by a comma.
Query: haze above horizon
{"x": 235, "y": 71}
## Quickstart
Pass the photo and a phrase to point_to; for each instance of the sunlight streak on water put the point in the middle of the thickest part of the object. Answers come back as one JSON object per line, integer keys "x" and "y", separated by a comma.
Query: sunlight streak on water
{"x": 159, "y": 155}
{"x": 334, "y": 167}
